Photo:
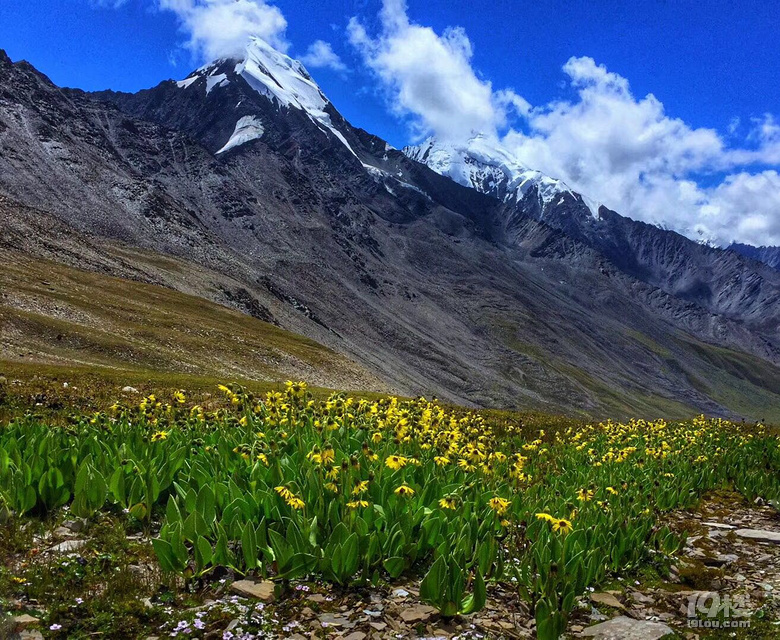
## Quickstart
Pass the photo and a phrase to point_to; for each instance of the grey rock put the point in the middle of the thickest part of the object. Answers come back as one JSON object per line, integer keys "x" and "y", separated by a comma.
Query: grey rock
{"x": 624, "y": 628}
{"x": 417, "y": 613}
{"x": 720, "y": 560}
{"x": 596, "y": 615}
{"x": 718, "y": 525}
{"x": 759, "y": 535}
{"x": 76, "y": 526}
{"x": 68, "y": 546}
{"x": 336, "y": 620}
{"x": 641, "y": 598}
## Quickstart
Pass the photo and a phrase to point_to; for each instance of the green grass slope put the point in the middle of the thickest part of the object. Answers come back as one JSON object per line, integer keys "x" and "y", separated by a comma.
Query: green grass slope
{"x": 54, "y": 316}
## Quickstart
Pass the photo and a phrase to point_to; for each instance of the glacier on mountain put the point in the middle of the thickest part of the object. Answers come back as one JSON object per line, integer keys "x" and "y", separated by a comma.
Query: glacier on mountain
{"x": 485, "y": 165}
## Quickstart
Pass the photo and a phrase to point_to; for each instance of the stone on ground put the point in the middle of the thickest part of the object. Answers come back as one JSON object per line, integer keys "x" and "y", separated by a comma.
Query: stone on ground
{"x": 624, "y": 628}
{"x": 607, "y": 599}
{"x": 259, "y": 590}
{"x": 759, "y": 535}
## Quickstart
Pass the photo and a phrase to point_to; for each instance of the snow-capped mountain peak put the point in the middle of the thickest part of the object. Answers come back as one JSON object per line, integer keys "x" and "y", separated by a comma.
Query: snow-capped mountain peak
{"x": 280, "y": 77}
{"x": 271, "y": 73}
{"x": 482, "y": 163}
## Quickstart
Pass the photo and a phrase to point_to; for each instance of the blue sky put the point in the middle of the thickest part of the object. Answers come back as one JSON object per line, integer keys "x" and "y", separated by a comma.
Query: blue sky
{"x": 712, "y": 66}
{"x": 708, "y": 62}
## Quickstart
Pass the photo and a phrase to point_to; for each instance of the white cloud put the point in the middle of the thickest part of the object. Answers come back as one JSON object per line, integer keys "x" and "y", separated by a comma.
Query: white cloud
{"x": 632, "y": 156}
{"x": 746, "y": 207}
{"x": 320, "y": 55}
{"x": 429, "y": 76}
{"x": 624, "y": 151}
{"x": 222, "y": 28}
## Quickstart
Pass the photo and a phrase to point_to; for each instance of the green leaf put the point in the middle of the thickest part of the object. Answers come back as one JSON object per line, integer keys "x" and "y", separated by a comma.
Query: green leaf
{"x": 164, "y": 551}
{"x": 476, "y": 601}
{"x": 206, "y": 504}
{"x": 203, "y": 553}
{"x": 432, "y": 586}
{"x": 249, "y": 545}
{"x": 139, "y": 511}
{"x": 394, "y": 566}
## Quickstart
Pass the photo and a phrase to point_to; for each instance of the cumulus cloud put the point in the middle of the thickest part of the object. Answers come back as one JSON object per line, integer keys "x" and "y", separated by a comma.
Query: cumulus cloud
{"x": 628, "y": 153}
{"x": 429, "y": 76}
{"x": 622, "y": 150}
{"x": 222, "y": 28}
{"x": 320, "y": 55}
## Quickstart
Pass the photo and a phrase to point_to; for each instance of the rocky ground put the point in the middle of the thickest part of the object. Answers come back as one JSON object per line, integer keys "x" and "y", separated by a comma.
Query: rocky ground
{"x": 727, "y": 573}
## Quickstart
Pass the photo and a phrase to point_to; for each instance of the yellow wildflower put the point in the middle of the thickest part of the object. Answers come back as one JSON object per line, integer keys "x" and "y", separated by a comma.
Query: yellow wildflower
{"x": 284, "y": 492}
{"x": 562, "y": 526}
{"x": 395, "y": 462}
{"x": 405, "y": 491}
{"x": 499, "y": 505}
{"x": 448, "y": 503}
{"x": 360, "y": 487}
{"x": 296, "y": 503}
{"x": 585, "y": 495}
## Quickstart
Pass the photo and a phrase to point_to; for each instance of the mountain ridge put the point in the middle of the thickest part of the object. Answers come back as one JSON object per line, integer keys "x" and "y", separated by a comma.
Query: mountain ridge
{"x": 432, "y": 286}
{"x": 768, "y": 255}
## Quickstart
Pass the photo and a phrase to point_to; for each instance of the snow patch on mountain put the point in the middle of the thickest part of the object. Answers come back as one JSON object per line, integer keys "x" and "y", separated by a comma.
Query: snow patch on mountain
{"x": 247, "y": 128}
{"x": 383, "y": 177}
{"x": 219, "y": 80}
{"x": 483, "y": 164}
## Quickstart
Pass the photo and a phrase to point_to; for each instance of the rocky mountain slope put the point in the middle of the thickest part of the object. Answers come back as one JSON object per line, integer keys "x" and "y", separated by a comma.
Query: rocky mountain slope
{"x": 767, "y": 255}
{"x": 249, "y": 179}
{"x": 707, "y": 276}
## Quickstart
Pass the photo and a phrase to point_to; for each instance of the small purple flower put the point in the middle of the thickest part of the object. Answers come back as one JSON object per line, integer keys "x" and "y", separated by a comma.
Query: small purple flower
{"x": 199, "y": 624}
{"x": 55, "y": 627}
